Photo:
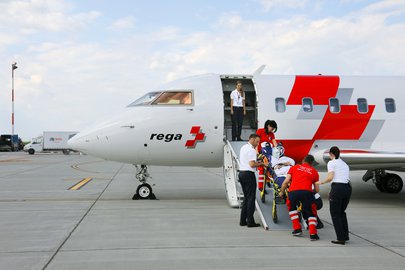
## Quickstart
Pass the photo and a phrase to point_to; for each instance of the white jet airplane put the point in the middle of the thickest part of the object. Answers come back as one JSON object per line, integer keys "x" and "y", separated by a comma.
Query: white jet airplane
{"x": 187, "y": 123}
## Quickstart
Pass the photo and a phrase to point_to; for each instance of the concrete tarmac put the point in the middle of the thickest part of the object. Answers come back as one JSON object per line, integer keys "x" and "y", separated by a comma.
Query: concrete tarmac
{"x": 44, "y": 225}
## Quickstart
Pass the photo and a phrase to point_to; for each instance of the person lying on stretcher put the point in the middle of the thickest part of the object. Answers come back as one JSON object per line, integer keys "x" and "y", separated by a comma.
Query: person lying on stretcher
{"x": 281, "y": 164}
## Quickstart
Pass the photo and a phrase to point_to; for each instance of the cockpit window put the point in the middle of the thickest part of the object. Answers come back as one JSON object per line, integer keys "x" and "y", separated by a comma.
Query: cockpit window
{"x": 165, "y": 98}
{"x": 174, "y": 98}
{"x": 145, "y": 100}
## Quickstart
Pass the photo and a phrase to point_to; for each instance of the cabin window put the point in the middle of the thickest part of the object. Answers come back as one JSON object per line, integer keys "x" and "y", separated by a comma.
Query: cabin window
{"x": 390, "y": 105}
{"x": 307, "y": 105}
{"x": 280, "y": 104}
{"x": 174, "y": 98}
{"x": 362, "y": 106}
{"x": 334, "y": 105}
{"x": 145, "y": 100}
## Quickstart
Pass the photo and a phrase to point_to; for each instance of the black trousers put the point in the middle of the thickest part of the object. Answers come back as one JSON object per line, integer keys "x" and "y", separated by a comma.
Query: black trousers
{"x": 248, "y": 182}
{"x": 306, "y": 197}
{"x": 339, "y": 198}
{"x": 318, "y": 204}
{"x": 237, "y": 121}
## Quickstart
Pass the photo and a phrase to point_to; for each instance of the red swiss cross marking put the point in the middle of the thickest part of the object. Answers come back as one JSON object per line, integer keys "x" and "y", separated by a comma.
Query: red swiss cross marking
{"x": 348, "y": 124}
{"x": 199, "y": 136}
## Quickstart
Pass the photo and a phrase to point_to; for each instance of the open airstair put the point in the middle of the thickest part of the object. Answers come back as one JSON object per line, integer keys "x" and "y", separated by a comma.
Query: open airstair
{"x": 235, "y": 194}
{"x": 233, "y": 188}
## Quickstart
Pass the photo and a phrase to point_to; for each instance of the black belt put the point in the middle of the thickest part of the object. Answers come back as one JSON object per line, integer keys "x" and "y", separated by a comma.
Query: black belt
{"x": 246, "y": 171}
{"x": 341, "y": 183}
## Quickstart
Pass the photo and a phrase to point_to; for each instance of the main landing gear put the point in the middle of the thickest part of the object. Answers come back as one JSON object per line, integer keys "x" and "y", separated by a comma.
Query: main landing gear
{"x": 144, "y": 190}
{"x": 384, "y": 182}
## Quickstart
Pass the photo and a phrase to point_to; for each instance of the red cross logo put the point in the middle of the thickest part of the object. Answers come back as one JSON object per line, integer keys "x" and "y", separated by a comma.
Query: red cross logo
{"x": 352, "y": 124}
{"x": 199, "y": 136}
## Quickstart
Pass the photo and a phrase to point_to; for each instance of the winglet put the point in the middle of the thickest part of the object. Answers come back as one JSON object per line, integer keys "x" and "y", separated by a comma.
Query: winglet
{"x": 259, "y": 70}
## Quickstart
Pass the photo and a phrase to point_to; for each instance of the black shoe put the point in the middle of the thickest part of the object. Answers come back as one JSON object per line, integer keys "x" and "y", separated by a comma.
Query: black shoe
{"x": 313, "y": 237}
{"x": 338, "y": 242}
{"x": 242, "y": 223}
{"x": 319, "y": 226}
{"x": 253, "y": 225}
{"x": 297, "y": 232}
{"x": 240, "y": 139}
{"x": 347, "y": 238}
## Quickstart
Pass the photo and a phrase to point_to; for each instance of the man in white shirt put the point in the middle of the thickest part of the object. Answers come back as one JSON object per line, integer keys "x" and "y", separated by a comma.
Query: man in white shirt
{"x": 238, "y": 110}
{"x": 247, "y": 178}
{"x": 339, "y": 196}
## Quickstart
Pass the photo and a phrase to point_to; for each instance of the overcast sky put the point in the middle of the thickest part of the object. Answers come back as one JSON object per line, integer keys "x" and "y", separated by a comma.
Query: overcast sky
{"x": 81, "y": 60}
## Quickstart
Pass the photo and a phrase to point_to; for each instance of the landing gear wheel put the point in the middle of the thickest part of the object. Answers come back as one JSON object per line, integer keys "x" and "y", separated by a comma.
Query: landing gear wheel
{"x": 379, "y": 185}
{"x": 392, "y": 183}
{"x": 144, "y": 192}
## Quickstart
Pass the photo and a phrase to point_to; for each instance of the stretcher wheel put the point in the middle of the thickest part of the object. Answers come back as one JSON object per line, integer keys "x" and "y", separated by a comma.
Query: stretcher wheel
{"x": 274, "y": 213}
{"x": 263, "y": 195}
{"x": 279, "y": 200}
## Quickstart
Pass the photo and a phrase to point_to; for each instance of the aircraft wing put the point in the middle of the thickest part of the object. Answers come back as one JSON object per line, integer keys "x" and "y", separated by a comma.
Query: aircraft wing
{"x": 369, "y": 159}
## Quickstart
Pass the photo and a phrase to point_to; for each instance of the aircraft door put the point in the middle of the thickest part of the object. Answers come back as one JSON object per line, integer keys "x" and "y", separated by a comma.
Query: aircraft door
{"x": 250, "y": 119}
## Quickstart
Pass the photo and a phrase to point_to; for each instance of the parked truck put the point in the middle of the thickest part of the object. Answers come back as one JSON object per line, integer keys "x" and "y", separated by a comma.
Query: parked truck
{"x": 50, "y": 141}
{"x": 10, "y": 143}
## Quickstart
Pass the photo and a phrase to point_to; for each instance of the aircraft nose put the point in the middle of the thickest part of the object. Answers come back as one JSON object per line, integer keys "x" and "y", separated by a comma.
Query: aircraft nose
{"x": 100, "y": 139}
{"x": 78, "y": 143}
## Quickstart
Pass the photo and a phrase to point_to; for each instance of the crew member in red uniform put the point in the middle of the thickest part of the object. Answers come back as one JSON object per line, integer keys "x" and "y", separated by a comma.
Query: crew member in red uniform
{"x": 266, "y": 136}
{"x": 301, "y": 178}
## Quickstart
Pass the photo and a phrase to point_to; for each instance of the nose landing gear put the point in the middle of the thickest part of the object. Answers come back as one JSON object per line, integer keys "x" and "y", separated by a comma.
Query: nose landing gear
{"x": 144, "y": 190}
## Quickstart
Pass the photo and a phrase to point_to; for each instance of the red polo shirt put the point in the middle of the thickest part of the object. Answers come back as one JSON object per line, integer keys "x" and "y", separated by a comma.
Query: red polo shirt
{"x": 264, "y": 137}
{"x": 302, "y": 177}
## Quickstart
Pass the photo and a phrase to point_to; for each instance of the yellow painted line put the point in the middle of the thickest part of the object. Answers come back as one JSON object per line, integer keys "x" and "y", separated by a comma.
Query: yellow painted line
{"x": 13, "y": 160}
{"x": 80, "y": 184}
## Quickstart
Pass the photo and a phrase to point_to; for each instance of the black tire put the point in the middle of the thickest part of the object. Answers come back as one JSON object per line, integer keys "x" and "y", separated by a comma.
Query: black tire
{"x": 392, "y": 183}
{"x": 31, "y": 151}
{"x": 144, "y": 191}
{"x": 379, "y": 185}
{"x": 66, "y": 151}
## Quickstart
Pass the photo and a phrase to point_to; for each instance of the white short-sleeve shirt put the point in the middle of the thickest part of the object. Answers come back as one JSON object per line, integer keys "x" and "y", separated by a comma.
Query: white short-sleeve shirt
{"x": 340, "y": 170}
{"x": 237, "y": 98}
{"x": 247, "y": 153}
